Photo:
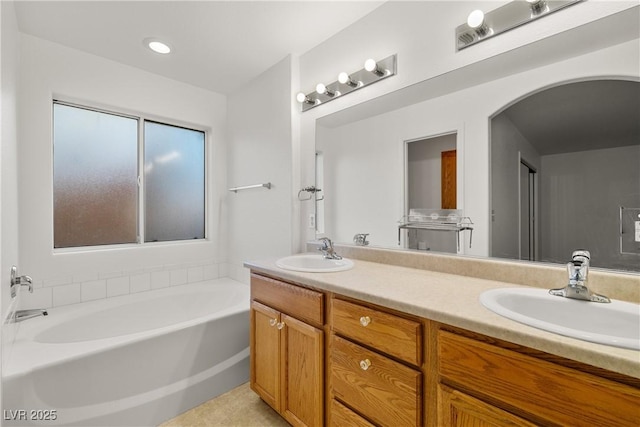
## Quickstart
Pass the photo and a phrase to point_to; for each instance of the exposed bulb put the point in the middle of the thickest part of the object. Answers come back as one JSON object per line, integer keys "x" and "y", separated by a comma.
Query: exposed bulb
{"x": 301, "y": 97}
{"x": 537, "y": 6}
{"x": 344, "y": 78}
{"x": 475, "y": 19}
{"x": 322, "y": 89}
{"x": 370, "y": 65}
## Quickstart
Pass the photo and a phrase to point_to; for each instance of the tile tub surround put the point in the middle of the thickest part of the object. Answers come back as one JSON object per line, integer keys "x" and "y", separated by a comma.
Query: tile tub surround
{"x": 454, "y": 298}
{"x": 73, "y": 289}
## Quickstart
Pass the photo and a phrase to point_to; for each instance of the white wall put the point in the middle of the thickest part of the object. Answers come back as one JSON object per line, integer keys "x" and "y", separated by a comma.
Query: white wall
{"x": 260, "y": 151}
{"x": 63, "y": 277}
{"x": 8, "y": 149}
{"x": 422, "y": 35}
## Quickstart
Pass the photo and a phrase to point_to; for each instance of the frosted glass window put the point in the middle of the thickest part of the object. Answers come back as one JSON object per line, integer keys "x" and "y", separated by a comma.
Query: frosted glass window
{"x": 95, "y": 169}
{"x": 174, "y": 177}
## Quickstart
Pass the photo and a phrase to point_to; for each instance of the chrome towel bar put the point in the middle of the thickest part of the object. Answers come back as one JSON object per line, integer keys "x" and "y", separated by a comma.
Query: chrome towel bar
{"x": 247, "y": 187}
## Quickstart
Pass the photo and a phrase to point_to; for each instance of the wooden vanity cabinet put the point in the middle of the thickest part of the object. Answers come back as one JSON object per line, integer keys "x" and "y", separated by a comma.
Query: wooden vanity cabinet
{"x": 375, "y": 366}
{"x": 287, "y": 349}
{"x": 379, "y": 367}
{"x": 483, "y": 381}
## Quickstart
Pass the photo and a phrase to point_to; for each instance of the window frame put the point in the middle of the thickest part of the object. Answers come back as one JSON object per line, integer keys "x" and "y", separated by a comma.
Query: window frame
{"x": 141, "y": 118}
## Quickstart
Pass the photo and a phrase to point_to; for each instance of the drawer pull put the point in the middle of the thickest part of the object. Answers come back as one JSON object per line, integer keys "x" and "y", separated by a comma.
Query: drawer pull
{"x": 272, "y": 322}
{"x": 365, "y": 320}
{"x": 280, "y": 325}
{"x": 365, "y": 364}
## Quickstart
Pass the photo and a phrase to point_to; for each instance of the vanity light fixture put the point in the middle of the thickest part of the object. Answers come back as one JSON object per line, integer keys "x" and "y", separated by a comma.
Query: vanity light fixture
{"x": 373, "y": 72}
{"x": 157, "y": 45}
{"x": 321, "y": 89}
{"x": 345, "y": 79}
{"x": 476, "y": 21}
{"x": 302, "y": 98}
{"x": 538, "y": 6}
{"x": 372, "y": 66}
{"x": 481, "y": 26}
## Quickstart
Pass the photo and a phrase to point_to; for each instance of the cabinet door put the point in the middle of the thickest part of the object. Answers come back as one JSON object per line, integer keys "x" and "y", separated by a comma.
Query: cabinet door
{"x": 265, "y": 353}
{"x": 303, "y": 373}
{"x": 456, "y": 409}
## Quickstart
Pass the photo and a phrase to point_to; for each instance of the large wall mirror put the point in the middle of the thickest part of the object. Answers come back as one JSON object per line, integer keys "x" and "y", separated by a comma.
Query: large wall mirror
{"x": 543, "y": 168}
{"x": 565, "y": 174}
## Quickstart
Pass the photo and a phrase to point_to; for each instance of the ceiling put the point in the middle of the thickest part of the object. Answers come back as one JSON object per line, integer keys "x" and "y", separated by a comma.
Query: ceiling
{"x": 580, "y": 116}
{"x": 223, "y": 45}
{"x": 217, "y": 45}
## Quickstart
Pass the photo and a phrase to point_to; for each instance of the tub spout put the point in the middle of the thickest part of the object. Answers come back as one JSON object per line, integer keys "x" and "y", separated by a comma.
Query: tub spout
{"x": 21, "y": 315}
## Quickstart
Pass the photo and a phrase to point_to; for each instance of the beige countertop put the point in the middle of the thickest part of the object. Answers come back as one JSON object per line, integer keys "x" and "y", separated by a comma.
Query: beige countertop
{"x": 454, "y": 300}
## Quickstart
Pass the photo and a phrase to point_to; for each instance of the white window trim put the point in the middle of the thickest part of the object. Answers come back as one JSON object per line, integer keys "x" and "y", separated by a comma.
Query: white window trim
{"x": 141, "y": 118}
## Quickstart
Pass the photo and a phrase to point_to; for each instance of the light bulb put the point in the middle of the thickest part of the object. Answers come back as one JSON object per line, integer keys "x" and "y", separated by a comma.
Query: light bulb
{"x": 301, "y": 97}
{"x": 343, "y": 78}
{"x": 475, "y": 19}
{"x": 537, "y": 6}
{"x": 370, "y": 65}
{"x": 158, "y": 46}
{"x": 320, "y": 88}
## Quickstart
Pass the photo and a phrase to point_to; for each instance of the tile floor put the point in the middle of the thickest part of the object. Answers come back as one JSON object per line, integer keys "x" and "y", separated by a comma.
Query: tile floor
{"x": 239, "y": 407}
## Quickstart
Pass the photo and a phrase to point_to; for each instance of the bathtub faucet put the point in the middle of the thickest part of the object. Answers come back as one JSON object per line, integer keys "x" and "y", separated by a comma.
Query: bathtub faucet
{"x": 21, "y": 315}
{"x": 17, "y": 281}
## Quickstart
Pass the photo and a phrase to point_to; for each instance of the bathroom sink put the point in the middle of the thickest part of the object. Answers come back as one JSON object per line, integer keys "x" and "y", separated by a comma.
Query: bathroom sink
{"x": 314, "y": 263}
{"x": 616, "y": 324}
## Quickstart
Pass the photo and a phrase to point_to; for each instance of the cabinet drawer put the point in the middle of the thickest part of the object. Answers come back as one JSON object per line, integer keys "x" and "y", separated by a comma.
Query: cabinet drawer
{"x": 343, "y": 416}
{"x": 383, "y": 390}
{"x": 301, "y": 303}
{"x": 394, "y": 335}
{"x": 542, "y": 389}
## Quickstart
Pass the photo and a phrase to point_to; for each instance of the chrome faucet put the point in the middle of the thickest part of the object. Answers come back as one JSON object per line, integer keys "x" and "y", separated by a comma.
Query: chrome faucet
{"x": 17, "y": 281}
{"x": 578, "y": 269}
{"x": 360, "y": 239}
{"x": 21, "y": 315}
{"x": 327, "y": 249}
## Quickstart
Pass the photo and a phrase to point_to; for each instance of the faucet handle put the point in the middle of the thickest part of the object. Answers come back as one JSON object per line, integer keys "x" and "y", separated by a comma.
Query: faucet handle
{"x": 581, "y": 255}
{"x": 17, "y": 281}
{"x": 326, "y": 243}
{"x": 361, "y": 239}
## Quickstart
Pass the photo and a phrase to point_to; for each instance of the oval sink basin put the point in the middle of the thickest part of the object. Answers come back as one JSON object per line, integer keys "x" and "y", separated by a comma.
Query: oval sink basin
{"x": 616, "y": 324}
{"x": 314, "y": 263}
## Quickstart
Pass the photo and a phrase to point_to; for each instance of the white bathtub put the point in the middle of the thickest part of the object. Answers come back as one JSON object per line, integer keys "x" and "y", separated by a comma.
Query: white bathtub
{"x": 135, "y": 360}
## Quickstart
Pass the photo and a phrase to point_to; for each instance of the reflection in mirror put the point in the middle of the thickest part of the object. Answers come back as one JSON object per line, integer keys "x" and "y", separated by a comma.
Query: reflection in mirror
{"x": 543, "y": 203}
{"x": 430, "y": 186}
{"x": 564, "y": 162}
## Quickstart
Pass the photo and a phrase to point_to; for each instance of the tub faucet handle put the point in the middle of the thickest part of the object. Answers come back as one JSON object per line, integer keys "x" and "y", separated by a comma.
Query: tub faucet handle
{"x": 17, "y": 281}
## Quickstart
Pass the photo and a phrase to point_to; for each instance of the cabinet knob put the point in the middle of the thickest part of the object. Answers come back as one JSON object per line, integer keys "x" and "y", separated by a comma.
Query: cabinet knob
{"x": 273, "y": 322}
{"x": 280, "y": 325}
{"x": 365, "y": 320}
{"x": 365, "y": 364}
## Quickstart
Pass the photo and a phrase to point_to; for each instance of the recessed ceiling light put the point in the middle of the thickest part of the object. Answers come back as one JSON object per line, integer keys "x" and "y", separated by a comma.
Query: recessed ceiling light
{"x": 157, "y": 46}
